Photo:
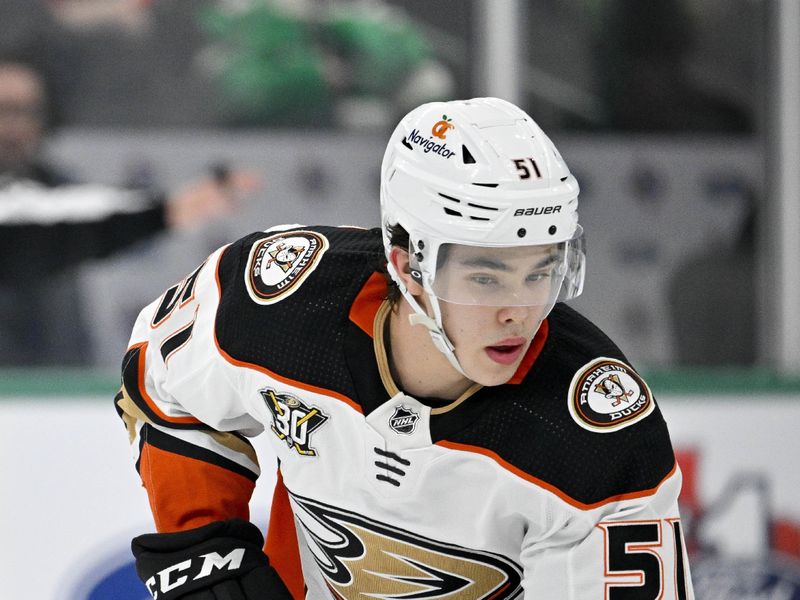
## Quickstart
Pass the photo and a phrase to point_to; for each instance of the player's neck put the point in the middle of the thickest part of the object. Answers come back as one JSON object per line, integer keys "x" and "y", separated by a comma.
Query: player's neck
{"x": 418, "y": 368}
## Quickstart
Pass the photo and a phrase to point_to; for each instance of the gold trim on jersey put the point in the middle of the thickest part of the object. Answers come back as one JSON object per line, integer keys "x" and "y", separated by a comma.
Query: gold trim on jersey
{"x": 378, "y": 332}
{"x": 131, "y": 413}
{"x": 469, "y": 392}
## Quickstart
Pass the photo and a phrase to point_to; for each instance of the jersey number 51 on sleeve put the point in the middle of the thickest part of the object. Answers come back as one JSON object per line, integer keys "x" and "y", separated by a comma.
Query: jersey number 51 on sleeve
{"x": 178, "y": 296}
{"x": 634, "y": 564}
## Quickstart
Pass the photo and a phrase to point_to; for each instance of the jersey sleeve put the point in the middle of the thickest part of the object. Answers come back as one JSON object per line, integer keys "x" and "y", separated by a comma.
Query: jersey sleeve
{"x": 630, "y": 547}
{"x": 184, "y": 409}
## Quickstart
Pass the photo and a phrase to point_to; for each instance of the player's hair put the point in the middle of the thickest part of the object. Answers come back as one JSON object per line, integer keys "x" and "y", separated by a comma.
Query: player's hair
{"x": 399, "y": 237}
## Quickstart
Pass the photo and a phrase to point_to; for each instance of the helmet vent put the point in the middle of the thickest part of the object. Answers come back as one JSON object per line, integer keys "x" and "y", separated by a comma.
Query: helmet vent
{"x": 456, "y": 213}
{"x": 466, "y": 156}
{"x": 446, "y": 197}
{"x": 565, "y": 178}
{"x": 490, "y": 185}
{"x": 482, "y": 207}
{"x": 406, "y": 144}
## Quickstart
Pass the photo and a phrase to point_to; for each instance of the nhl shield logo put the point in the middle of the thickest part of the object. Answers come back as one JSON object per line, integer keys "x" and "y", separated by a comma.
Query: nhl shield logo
{"x": 404, "y": 420}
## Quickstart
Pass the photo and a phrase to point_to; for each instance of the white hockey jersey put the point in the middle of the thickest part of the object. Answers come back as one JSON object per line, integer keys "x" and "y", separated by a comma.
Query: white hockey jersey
{"x": 560, "y": 484}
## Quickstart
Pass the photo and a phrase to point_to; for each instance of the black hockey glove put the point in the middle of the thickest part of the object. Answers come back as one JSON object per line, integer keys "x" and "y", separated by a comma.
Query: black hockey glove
{"x": 223, "y": 560}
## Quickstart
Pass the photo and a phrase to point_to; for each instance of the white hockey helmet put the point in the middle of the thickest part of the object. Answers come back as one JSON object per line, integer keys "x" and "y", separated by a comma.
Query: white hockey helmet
{"x": 479, "y": 174}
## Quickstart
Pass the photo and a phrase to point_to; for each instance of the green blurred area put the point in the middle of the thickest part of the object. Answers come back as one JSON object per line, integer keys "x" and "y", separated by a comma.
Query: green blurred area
{"x": 275, "y": 68}
{"x": 267, "y": 66}
{"x": 61, "y": 382}
{"x": 381, "y": 54}
{"x": 66, "y": 383}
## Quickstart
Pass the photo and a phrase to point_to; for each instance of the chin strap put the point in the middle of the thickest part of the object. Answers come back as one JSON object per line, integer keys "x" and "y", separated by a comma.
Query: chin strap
{"x": 433, "y": 325}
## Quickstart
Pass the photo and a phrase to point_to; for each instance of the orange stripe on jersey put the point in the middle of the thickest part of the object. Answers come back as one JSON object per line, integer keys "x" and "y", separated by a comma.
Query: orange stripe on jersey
{"x": 368, "y": 301}
{"x": 305, "y": 386}
{"x": 141, "y": 369}
{"x": 543, "y": 484}
{"x": 185, "y": 492}
{"x": 281, "y": 546}
{"x": 534, "y": 350}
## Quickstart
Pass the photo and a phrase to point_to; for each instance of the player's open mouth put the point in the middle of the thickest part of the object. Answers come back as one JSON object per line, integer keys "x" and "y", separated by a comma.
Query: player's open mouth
{"x": 507, "y": 352}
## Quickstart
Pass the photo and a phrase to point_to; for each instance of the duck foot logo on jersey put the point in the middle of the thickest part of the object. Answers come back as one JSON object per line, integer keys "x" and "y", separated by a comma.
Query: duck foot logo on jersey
{"x": 293, "y": 421}
{"x": 362, "y": 558}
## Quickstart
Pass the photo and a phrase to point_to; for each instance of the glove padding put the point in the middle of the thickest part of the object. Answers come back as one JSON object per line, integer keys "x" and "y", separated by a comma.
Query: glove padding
{"x": 223, "y": 560}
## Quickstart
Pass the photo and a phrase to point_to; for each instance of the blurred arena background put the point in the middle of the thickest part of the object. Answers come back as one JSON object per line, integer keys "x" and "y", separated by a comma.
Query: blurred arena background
{"x": 680, "y": 119}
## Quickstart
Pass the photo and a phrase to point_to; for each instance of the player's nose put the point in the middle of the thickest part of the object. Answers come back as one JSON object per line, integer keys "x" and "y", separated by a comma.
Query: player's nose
{"x": 513, "y": 314}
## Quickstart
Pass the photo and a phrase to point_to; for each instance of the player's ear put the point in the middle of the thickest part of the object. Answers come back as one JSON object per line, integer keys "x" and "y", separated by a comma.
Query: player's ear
{"x": 399, "y": 259}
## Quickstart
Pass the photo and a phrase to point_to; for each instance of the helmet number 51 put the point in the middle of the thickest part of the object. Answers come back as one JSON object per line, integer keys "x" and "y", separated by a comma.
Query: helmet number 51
{"x": 523, "y": 171}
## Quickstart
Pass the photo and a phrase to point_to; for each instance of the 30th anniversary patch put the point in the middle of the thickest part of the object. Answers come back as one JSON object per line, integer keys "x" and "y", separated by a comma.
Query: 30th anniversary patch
{"x": 606, "y": 395}
{"x": 278, "y": 264}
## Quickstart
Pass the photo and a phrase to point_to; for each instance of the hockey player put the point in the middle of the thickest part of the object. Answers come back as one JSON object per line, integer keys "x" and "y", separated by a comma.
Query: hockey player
{"x": 445, "y": 426}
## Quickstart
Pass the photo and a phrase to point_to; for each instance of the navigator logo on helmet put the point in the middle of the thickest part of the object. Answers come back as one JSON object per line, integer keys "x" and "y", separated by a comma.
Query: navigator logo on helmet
{"x": 483, "y": 197}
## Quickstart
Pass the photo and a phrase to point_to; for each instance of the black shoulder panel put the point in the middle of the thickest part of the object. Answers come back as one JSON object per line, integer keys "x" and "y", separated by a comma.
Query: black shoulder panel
{"x": 530, "y": 426}
{"x": 298, "y": 335}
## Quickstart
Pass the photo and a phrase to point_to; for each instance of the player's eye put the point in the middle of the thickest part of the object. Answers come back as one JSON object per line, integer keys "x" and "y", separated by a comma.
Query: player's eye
{"x": 538, "y": 276}
{"x": 481, "y": 279}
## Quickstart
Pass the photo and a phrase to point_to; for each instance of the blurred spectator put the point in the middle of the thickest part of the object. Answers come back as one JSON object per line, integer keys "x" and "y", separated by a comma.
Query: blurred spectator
{"x": 50, "y": 224}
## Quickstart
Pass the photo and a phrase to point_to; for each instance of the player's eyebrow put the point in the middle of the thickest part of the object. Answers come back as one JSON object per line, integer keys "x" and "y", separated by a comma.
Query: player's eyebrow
{"x": 547, "y": 261}
{"x": 486, "y": 262}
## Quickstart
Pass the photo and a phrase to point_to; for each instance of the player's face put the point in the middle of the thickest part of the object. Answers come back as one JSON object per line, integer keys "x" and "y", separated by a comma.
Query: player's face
{"x": 515, "y": 286}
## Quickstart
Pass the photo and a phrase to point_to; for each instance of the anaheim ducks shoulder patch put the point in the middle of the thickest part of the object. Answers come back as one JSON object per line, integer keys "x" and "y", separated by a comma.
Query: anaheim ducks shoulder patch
{"x": 278, "y": 264}
{"x": 606, "y": 395}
